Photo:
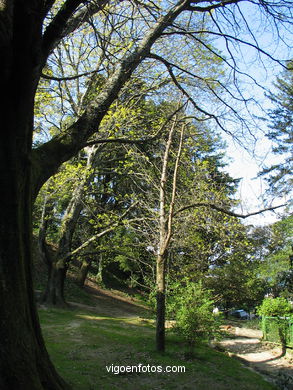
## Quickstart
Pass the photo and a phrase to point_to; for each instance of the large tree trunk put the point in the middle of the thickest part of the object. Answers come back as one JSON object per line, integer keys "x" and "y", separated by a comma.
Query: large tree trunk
{"x": 54, "y": 292}
{"x": 24, "y": 361}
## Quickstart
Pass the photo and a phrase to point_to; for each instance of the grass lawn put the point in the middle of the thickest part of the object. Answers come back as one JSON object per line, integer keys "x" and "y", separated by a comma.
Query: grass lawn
{"x": 82, "y": 343}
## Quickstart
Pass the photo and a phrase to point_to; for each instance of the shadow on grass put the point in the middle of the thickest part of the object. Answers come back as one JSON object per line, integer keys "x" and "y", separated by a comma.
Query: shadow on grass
{"x": 83, "y": 343}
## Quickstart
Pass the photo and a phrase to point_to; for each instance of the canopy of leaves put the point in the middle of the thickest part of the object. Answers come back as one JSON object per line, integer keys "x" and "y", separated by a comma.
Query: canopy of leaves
{"x": 275, "y": 266}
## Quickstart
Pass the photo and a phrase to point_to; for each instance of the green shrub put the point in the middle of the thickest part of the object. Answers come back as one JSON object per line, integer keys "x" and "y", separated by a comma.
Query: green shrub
{"x": 280, "y": 309}
{"x": 274, "y": 307}
{"x": 192, "y": 308}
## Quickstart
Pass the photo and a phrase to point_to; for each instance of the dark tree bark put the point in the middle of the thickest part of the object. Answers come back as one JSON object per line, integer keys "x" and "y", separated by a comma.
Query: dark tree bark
{"x": 161, "y": 302}
{"x": 282, "y": 325}
{"x": 54, "y": 292}
{"x": 24, "y": 361}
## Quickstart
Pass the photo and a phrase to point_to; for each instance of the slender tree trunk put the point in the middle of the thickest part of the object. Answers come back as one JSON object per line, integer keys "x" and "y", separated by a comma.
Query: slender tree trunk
{"x": 58, "y": 266}
{"x": 282, "y": 336}
{"x": 99, "y": 276}
{"x": 161, "y": 306}
{"x": 165, "y": 233}
{"x": 83, "y": 272}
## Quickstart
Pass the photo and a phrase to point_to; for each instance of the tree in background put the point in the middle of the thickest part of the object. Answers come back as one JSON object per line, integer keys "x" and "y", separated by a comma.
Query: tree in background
{"x": 281, "y": 130}
{"x": 275, "y": 259}
{"x": 220, "y": 254}
{"x": 94, "y": 188}
{"x": 183, "y": 177}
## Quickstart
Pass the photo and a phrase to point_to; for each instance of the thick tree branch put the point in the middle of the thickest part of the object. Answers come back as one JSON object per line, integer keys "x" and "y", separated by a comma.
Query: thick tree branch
{"x": 67, "y": 20}
{"x": 67, "y": 144}
{"x": 137, "y": 141}
{"x": 220, "y": 4}
{"x": 55, "y": 31}
{"x": 66, "y": 78}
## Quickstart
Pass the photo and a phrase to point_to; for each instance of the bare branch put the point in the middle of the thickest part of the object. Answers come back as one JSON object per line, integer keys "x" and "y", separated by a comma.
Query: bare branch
{"x": 220, "y": 4}
{"x": 185, "y": 93}
{"x": 66, "y": 78}
{"x": 65, "y": 145}
{"x": 225, "y": 211}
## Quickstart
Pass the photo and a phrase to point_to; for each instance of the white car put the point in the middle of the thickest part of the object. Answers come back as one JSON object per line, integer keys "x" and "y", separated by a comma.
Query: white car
{"x": 242, "y": 314}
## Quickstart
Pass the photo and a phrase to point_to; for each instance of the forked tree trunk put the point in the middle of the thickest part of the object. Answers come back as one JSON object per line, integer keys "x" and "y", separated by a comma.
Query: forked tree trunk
{"x": 54, "y": 292}
{"x": 59, "y": 263}
{"x": 166, "y": 211}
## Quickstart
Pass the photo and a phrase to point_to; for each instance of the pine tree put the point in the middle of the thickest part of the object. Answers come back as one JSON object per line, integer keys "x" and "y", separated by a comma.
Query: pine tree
{"x": 281, "y": 132}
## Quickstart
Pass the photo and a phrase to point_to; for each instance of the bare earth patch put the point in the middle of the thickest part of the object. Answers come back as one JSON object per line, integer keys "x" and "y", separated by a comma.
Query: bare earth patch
{"x": 111, "y": 303}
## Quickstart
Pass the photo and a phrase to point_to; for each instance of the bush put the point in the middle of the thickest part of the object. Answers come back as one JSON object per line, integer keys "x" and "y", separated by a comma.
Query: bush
{"x": 280, "y": 309}
{"x": 274, "y": 307}
{"x": 192, "y": 308}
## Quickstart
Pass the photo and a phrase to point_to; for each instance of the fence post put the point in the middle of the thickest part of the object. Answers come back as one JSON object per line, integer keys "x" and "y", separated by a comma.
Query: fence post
{"x": 264, "y": 328}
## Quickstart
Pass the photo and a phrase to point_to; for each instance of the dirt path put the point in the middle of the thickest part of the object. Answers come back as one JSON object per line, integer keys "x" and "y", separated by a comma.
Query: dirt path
{"x": 262, "y": 357}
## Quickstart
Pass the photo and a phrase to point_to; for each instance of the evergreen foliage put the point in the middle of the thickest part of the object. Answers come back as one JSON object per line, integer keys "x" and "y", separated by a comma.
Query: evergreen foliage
{"x": 281, "y": 133}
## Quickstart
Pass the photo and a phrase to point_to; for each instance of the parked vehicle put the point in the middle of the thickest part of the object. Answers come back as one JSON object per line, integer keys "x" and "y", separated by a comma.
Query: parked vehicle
{"x": 241, "y": 314}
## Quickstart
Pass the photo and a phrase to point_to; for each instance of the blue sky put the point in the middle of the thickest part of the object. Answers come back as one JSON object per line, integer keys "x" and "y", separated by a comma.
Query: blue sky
{"x": 242, "y": 164}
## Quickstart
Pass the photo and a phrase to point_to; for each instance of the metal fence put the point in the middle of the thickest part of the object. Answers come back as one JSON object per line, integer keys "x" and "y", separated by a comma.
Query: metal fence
{"x": 270, "y": 329}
